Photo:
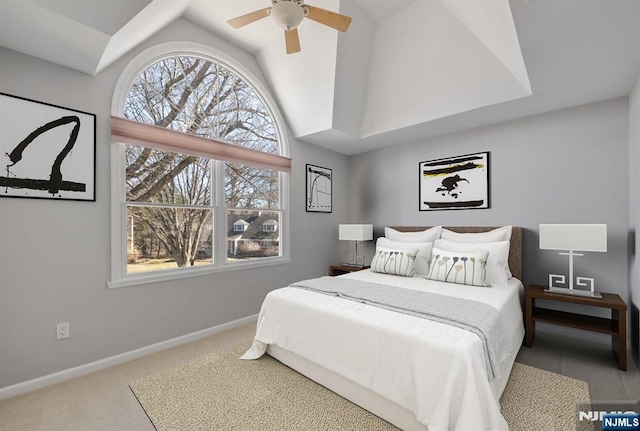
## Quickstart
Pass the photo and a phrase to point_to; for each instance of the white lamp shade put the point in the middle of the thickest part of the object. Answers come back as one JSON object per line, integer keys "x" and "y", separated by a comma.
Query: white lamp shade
{"x": 287, "y": 14}
{"x": 577, "y": 237}
{"x": 355, "y": 232}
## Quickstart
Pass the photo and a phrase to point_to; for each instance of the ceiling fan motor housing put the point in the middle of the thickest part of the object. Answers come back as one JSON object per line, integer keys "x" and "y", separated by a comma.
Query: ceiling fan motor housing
{"x": 288, "y": 14}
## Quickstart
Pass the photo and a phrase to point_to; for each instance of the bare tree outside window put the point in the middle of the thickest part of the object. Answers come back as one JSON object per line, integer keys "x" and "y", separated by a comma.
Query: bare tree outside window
{"x": 170, "y": 196}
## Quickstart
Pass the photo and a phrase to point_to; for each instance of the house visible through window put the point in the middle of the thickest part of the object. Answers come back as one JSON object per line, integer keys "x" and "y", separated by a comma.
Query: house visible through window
{"x": 188, "y": 208}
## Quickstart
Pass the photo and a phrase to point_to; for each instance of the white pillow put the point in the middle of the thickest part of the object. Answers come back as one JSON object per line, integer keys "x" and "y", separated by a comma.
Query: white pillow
{"x": 459, "y": 267}
{"x": 423, "y": 252}
{"x": 499, "y": 234}
{"x": 394, "y": 262}
{"x": 497, "y": 259}
{"x": 429, "y": 235}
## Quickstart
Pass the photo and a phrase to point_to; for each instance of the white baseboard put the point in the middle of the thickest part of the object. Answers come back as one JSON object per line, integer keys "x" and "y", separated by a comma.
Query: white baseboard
{"x": 40, "y": 382}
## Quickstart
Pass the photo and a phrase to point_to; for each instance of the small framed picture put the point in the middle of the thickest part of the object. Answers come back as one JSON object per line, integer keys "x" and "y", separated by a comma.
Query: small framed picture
{"x": 47, "y": 151}
{"x": 318, "y": 189}
{"x": 460, "y": 182}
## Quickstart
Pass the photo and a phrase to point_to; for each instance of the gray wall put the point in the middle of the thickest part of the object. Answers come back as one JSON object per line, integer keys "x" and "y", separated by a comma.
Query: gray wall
{"x": 568, "y": 166}
{"x": 55, "y": 255}
{"x": 634, "y": 214}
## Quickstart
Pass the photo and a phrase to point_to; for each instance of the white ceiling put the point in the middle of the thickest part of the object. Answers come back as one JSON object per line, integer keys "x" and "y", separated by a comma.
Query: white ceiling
{"x": 405, "y": 70}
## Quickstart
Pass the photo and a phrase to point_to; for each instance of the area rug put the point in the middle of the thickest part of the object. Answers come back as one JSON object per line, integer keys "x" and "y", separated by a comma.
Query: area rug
{"x": 220, "y": 392}
{"x": 536, "y": 399}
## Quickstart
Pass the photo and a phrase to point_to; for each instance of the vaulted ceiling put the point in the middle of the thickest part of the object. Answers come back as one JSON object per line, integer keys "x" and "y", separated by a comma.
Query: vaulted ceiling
{"x": 405, "y": 70}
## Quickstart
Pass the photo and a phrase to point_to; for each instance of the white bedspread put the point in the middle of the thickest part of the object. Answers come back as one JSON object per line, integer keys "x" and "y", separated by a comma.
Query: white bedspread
{"x": 434, "y": 370}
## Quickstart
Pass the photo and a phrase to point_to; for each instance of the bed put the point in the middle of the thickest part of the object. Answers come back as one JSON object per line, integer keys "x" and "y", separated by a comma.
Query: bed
{"x": 416, "y": 373}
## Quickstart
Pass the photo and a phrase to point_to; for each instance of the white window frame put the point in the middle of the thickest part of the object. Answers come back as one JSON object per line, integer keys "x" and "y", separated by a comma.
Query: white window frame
{"x": 119, "y": 276}
{"x": 242, "y": 227}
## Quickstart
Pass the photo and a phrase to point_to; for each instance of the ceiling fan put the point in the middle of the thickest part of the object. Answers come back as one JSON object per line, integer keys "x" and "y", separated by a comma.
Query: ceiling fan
{"x": 288, "y": 14}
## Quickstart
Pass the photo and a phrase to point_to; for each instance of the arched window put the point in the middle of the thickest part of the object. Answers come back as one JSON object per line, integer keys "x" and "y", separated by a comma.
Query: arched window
{"x": 197, "y": 148}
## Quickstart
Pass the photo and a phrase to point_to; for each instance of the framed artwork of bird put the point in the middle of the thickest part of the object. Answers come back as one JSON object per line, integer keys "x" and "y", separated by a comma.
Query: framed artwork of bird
{"x": 460, "y": 182}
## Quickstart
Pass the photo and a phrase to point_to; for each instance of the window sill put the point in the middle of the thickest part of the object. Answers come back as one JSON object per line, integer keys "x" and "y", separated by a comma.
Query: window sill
{"x": 176, "y": 274}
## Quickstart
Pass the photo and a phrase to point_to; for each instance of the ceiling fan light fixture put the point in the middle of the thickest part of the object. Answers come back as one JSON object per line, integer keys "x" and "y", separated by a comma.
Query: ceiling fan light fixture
{"x": 287, "y": 14}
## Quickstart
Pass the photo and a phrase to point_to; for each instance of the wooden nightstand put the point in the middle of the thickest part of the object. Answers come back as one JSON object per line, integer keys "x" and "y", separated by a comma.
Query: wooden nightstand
{"x": 616, "y": 326}
{"x": 344, "y": 269}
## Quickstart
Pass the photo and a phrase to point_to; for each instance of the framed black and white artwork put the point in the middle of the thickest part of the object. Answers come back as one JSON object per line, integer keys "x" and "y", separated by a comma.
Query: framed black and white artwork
{"x": 318, "y": 189}
{"x": 47, "y": 151}
{"x": 460, "y": 182}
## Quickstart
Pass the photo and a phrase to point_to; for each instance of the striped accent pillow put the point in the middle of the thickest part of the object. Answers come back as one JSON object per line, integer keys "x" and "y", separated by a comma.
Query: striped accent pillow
{"x": 395, "y": 262}
{"x": 459, "y": 267}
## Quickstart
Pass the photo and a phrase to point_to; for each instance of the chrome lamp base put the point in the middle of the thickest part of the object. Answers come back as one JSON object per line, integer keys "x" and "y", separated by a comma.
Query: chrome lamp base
{"x": 567, "y": 288}
{"x": 574, "y": 292}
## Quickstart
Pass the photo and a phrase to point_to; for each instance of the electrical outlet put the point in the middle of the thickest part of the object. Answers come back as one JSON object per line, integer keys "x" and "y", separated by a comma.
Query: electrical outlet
{"x": 62, "y": 330}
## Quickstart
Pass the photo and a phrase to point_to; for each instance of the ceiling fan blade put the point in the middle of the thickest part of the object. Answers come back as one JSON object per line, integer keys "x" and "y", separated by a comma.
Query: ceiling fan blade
{"x": 292, "y": 41}
{"x": 243, "y": 20}
{"x": 326, "y": 17}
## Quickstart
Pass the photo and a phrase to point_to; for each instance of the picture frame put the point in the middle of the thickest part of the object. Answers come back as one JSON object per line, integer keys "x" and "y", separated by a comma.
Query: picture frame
{"x": 319, "y": 189}
{"x": 47, "y": 151}
{"x": 460, "y": 182}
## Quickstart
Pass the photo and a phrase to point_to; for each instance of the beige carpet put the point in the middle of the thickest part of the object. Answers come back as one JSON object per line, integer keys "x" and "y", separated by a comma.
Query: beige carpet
{"x": 220, "y": 392}
{"x": 536, "y": 399}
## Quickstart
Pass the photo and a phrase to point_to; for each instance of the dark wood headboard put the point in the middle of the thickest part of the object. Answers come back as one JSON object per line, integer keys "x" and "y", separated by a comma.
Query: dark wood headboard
{"x": 515, "y": 251}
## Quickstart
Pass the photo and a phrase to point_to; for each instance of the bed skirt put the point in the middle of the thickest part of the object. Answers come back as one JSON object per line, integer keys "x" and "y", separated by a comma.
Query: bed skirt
{"x": 368, "y": 400}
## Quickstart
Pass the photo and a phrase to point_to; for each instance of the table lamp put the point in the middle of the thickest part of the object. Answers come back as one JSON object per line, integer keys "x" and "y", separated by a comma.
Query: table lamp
{"x": 355, "y": 232}
{"x": 573, "y": 237}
